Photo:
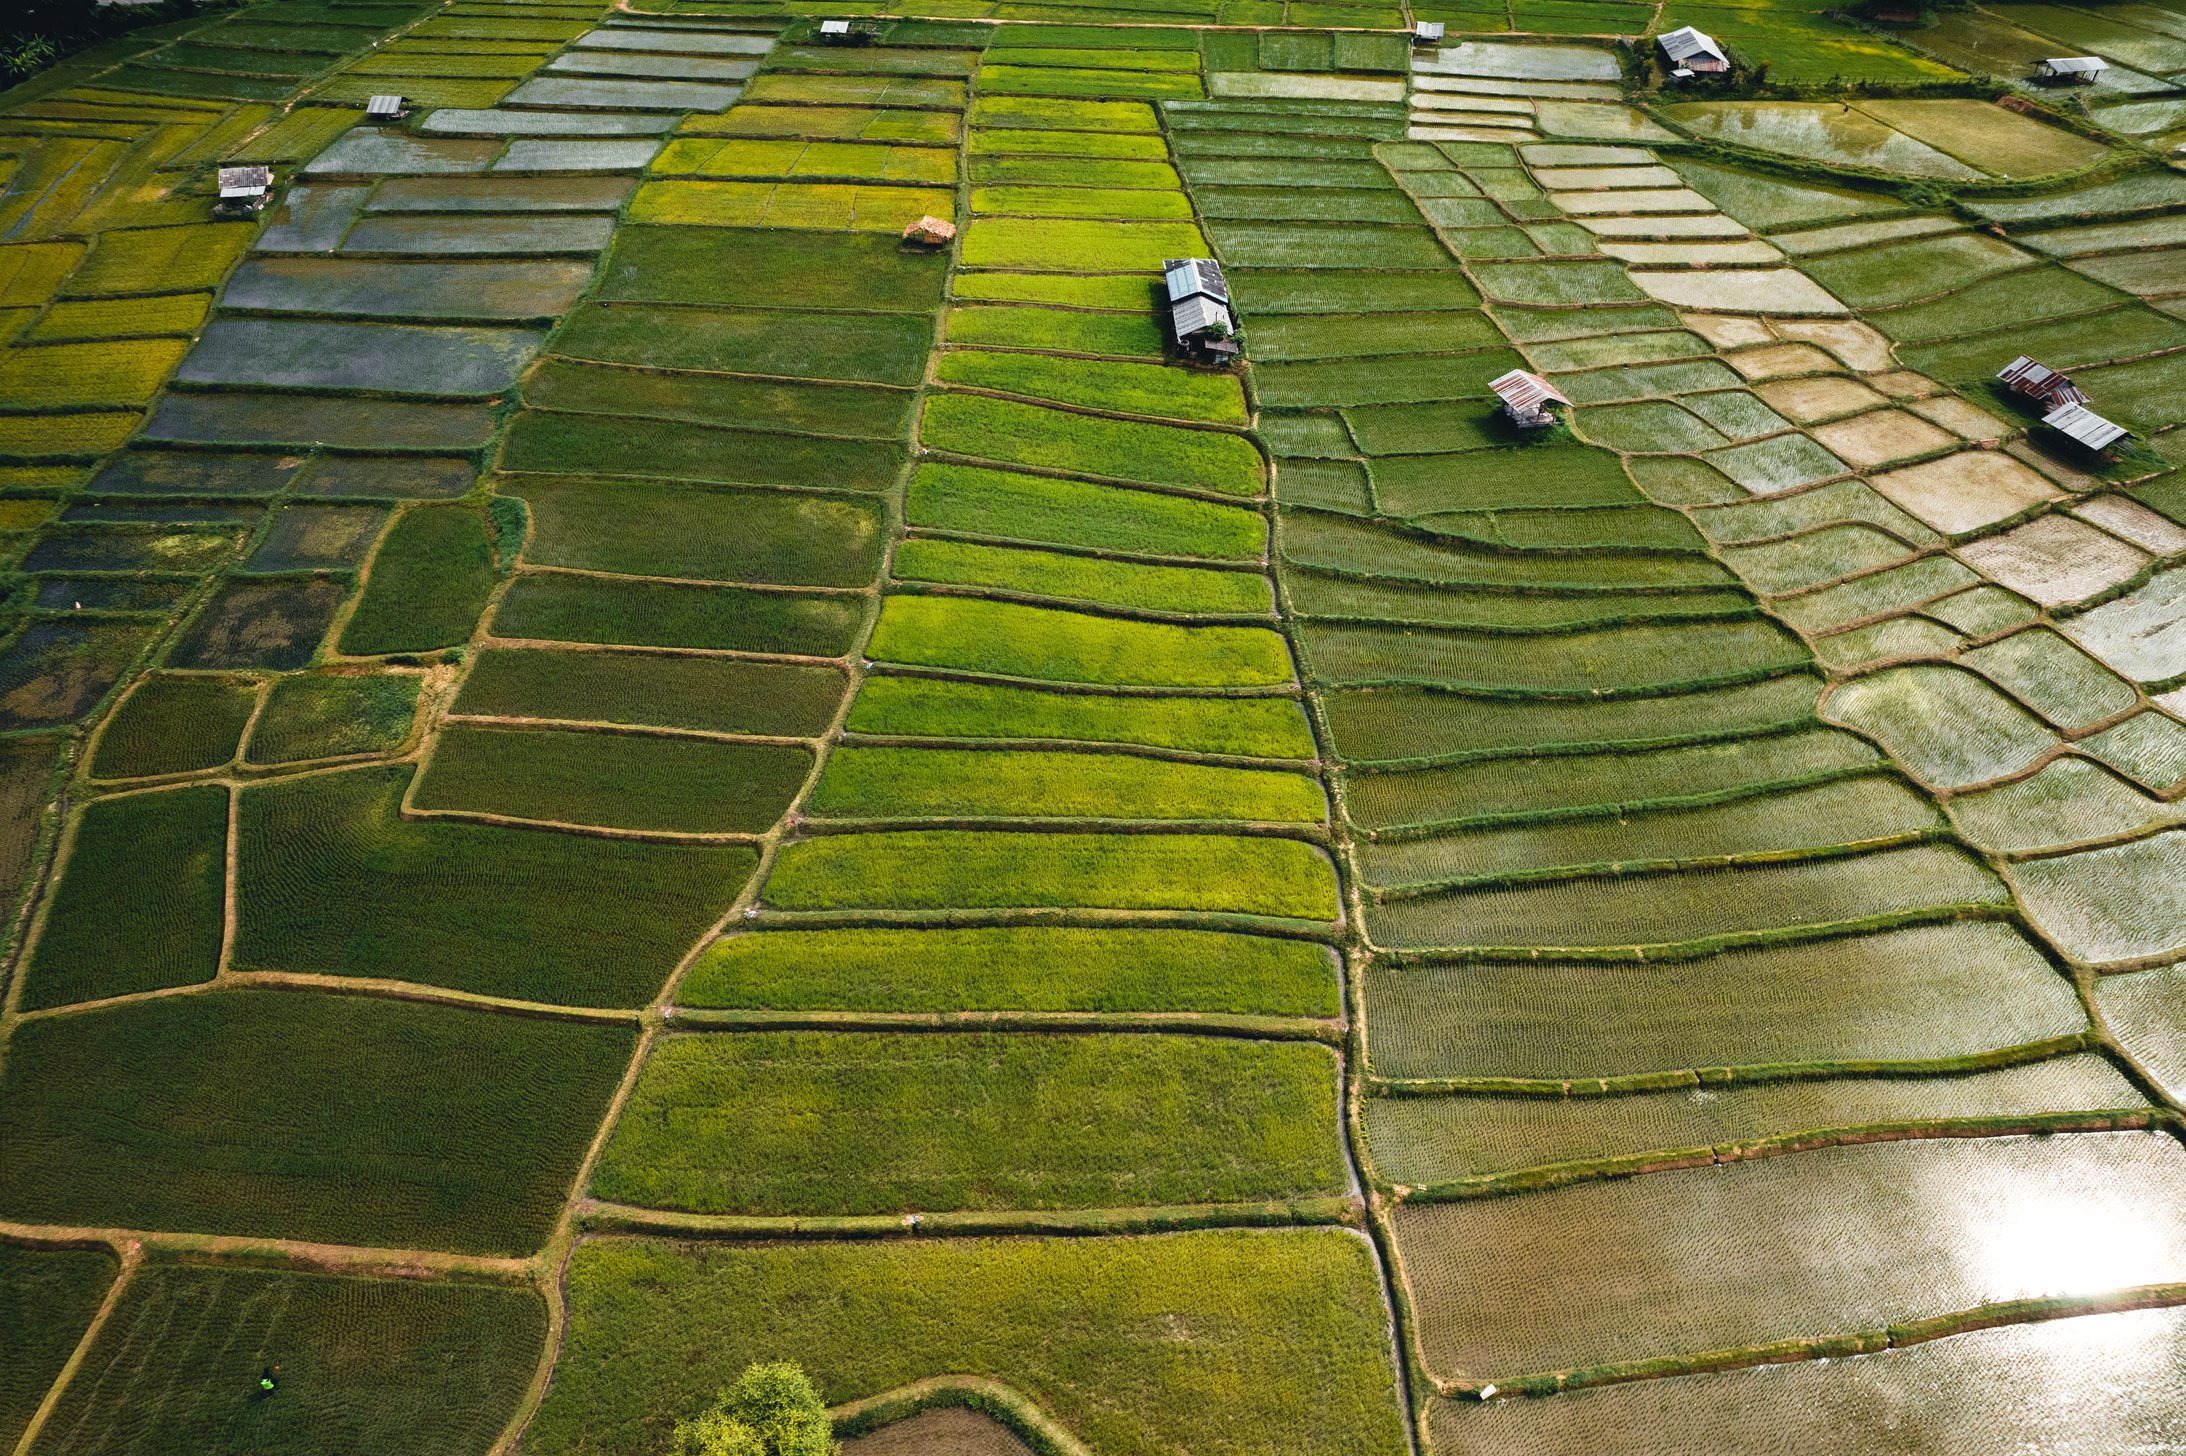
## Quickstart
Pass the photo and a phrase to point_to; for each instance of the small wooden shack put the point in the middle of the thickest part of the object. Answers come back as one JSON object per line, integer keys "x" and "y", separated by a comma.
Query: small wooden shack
{"x": 1200, "y": 323}
{"x": 859, "y": 31}
{"x": 1529, "y": 401}
{"x": 1428, "y": 34}
{"x": 2071, "y": 70}
{"x": 1691, "y": 52}
{"x": 385, "y": 108}
{"x": 2040, "y": 383}
{"x": 930, "y": 232}
{"x": 243, "y": 190}
{"x": 2082, "y": 426}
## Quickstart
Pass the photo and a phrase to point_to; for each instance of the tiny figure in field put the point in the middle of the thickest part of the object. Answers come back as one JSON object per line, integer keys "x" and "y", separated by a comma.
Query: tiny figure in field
{"x": 268, "y": 1378}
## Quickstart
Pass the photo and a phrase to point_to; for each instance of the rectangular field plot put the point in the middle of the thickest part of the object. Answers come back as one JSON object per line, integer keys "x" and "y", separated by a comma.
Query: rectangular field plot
{"x": 943, "y": 869}
{"x": 139, "y": 906}
{"x": 388, "y": 358}
{"x": 1286, "y": 1328}
{"x": 866, "y": 1123}
{"x": 1823, "y": 1242}
{"x": 237, "y": 418}
{"x": 844, "y": 411}
{"x": 1030, "y": 968}
{"x": 832, "y": 123}
{"x": 1069, "y": 331}
{"x": 1143, "y": 389}
{"x": 937, "y": 783}
{"x": 334, "y": 715}
{"x": 286, "y": 1114}
{"x": 540, "y": 440}
{"x": 562, "y": 608}
{"x": 1930, "y": 993}
{"x": 613, "y": 780}
{"x": 2105, "y": 1378}
{"x": 652, "y": 689}
{"x": 865, "y": 161}
{"x": 1422, "y": 1142}
{"x": 1699, "y": 906}
{"x": 435, "y": 1368}
{"x": 758, "y": 536}
{"x": 332, "y": 879}
{"x": 786, "y": 344}
{"x": 1130, "y": 585}
{"x": 1015, "y": 433}
{"x": 820, "y": 205}
{"x": 1007, "y": 639}
{"x": 1618, "y": 659}
{"x": 1044, "y": 510}
{"x": 939, "y": 708}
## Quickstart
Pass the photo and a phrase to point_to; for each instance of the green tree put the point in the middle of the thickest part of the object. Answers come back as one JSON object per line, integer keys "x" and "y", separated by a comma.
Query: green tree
{"x": 772, "y": 1410}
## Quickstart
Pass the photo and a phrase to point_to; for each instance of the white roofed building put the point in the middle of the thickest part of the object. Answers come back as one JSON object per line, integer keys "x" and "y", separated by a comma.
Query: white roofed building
{"x": 2076, "y": 70}
{"x": 1528, "y": 399}
{"x": 2084, "y": 427}
{"x": 1693, "y": 52}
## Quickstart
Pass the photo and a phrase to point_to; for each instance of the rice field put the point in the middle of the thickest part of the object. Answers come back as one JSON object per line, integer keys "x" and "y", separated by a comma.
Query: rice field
{"x": 596, "y": 740}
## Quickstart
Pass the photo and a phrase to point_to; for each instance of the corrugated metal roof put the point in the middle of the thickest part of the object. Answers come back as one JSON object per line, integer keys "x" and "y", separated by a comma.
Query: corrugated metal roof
{"x": 2075, "y": 65}
{"x": 1198, "y": 314}
{"x": 834, "y": 27}
{"x": 1685, "y": 43}
{"x": 2085, "y": 426}
{"x": 383, "y": 106}
{"x": 244, "y": 181}
{"x": 1524, "y": 391}
{"x": 1428, "y": 30}
{"x": 2040, "y": 381}
{"x": 1187, "y": 276}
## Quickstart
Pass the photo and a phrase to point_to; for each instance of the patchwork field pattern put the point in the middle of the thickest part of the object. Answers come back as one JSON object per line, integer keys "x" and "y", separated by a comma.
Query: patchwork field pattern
{"x": 613, "y": 769}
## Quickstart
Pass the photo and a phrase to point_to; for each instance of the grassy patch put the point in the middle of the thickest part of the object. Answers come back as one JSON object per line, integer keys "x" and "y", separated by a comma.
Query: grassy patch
{"x": 1010, "y": 640}
{"x": 1063, "y": 115}
{"x": 1055, "y": 512}
{"x": 1065, "y": 330}
{"x": 174, "y": 724}
{"x": 428, "y": 583}
{"x": 783, "y": 343}
{"x": 330, "y": 716}
{"x": 556, "y": 607}
{"x": 1188, "y": 589}
{"x": 47, "y": 1298}
{"x": 615, "y": 780}
{"x": 1139, "y": 1346}
{"x": 333, "y": 879}
{"x": 653, "y": 689}
{"x": 684, "y": 265}
{"x": 431, "y": 1368}
{"x": 932, "y": 869}
{"x": 302, "y": 1115}
{"x": 862, "y": 1123}
{"x": 1142, "y": 389}
{"x": 930, "y": 783}
{"x": 823, "y": 205}
{"x": 939, "y": 708}
{"x": 1065, "y": 246}
{"x": 1125, "y": 204}
{"x": 140, "y": 902}
{"x": 611, "y": 445}
{"x": 69, "y": 376}
{"x": 858, "y": 412}
{"x": 1024, "y": 434}
{"x": 1029, "y": 968}
{"x": 642, "y": 529}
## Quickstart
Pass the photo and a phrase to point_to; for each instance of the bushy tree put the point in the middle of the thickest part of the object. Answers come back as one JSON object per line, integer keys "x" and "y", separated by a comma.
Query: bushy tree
{"x": 772, "y": 1410}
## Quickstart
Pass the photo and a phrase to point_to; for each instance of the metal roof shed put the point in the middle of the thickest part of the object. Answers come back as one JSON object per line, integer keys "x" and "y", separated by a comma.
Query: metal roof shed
{"x": 2073, "y": 68}
{"x": 1187, "y": 276}
{"x": 1688, "y": 49}
{"x": 2084, "y": 426}
{"x": 242, "y": 190}
{"x": 2039, "y": 382}
{"x": 385, "y": 108}
{"x": 1428, "y": 33}
{"x": 1526, "y": 398}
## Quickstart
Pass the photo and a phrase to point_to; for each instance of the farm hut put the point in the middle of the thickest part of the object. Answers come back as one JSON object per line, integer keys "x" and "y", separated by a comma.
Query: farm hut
{"x": 385, "y": 108}
{"x": 243, "y": 190}
{"x": 1427, "y": 33}
{"x": 2084, "y": 427}
{"x": 929, "y": 232}
{"x": 2071, "y": 70}
{"x": 1199, "y": 310}
{"x": 1693, "y": 52}
{"x": 848, "y": 32}
{"x": 2040, "y": 383}
{"x": 1528, "y": 400}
